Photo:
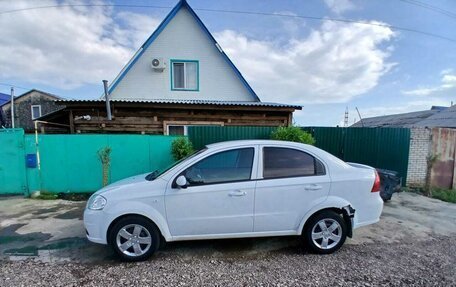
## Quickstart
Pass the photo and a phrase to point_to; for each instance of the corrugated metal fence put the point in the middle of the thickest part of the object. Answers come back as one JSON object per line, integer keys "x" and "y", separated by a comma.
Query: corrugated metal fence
{"x": 386, "y": 148}
{"x": 69, "y": 163}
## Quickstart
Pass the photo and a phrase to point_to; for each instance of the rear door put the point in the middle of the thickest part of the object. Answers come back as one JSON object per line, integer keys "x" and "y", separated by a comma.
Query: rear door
{"x": 291, "y": 181}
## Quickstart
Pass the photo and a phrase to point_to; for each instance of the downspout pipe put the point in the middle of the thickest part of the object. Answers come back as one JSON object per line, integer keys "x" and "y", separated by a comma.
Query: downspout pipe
{"x": 108, "y": 106}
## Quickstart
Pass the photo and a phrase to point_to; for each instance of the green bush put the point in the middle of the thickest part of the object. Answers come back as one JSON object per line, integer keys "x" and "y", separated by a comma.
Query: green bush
{"x": 292, "y": 134}
{"x": 181, "y": 147}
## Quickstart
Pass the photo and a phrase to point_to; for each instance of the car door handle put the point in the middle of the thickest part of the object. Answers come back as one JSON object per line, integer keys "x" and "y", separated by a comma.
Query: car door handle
{"x": 313, "y": 187}
{"x": 237, "y": 193}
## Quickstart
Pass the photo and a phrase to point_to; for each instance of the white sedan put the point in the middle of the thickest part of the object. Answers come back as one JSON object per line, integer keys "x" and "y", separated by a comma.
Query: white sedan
{"x": 237, "y": 189}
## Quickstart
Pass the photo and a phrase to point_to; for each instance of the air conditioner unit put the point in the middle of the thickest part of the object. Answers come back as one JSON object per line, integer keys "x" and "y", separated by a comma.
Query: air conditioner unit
{"x": 158, "y": 64}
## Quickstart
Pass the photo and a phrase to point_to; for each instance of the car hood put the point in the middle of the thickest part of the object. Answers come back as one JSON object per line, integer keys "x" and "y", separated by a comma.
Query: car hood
{"x": 124, "y": 183}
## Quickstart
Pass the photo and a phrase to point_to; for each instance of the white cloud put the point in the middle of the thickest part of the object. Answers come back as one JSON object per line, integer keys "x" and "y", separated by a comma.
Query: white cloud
{"x": 67, "y": 47}
{"x": 447, "y": 86}
{"x": 340, "y": 6}
{"x": 335, "y": 63}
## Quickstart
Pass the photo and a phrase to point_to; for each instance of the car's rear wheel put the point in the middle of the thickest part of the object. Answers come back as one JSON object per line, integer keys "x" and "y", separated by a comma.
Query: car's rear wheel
{"x": 134, "y": 238}
{"x": 325, "y": 232}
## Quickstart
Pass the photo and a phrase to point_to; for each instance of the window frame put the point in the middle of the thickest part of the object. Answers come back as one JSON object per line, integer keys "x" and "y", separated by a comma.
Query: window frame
{"x": 172, "y": 61}
{"x": 252, "y": 170}
{"x": 177, "y": 125}
{"x": 315, "y": 158}
{"x": 31, "y": 110}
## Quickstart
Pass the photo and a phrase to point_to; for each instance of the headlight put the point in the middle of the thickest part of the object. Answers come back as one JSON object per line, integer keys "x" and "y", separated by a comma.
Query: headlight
{"x": 97, "y": 202}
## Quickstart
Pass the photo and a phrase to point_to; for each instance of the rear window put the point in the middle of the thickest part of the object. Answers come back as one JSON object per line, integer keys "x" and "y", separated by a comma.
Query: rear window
{"x": 286, "y": 162}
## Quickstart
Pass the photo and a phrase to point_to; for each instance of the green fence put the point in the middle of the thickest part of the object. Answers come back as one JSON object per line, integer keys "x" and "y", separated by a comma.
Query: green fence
{"x": 69, "y": 163}
{"x": 13, "y": 177}
{"x": 386, "y": 148}
{"x": 203, "y": 135}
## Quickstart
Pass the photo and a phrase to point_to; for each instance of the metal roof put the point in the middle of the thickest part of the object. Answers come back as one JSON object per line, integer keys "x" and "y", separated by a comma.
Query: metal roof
{"x": 443, "y": 119}
{"x": 4, "y": 98}
{"x": 435, "y": 117}
{"x": 186, "y": 102}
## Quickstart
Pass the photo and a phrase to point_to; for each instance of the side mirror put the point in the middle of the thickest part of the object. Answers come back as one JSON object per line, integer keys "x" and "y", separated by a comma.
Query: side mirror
{"x": 181, "y": 181}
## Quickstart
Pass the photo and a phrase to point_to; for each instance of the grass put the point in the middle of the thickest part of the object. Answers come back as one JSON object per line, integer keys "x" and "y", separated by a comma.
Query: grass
{"x": 44, "y": 195}
{"x": 448, "y": 195}
{"x": 71, "y": 196}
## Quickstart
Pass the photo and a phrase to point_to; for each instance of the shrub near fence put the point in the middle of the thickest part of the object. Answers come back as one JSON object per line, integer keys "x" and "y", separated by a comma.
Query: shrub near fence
{"x": 69, "y": 163}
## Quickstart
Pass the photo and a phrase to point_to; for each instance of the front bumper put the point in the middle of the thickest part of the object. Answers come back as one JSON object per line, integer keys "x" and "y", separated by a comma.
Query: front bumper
{"x": 95, "y": 226}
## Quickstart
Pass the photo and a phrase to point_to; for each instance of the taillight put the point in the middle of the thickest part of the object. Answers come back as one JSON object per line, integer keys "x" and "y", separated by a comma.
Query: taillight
{"x": 376, "y": 186}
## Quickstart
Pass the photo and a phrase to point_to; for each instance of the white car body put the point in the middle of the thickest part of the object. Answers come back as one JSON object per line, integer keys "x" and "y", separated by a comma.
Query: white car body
{"x": 251, "y": 208}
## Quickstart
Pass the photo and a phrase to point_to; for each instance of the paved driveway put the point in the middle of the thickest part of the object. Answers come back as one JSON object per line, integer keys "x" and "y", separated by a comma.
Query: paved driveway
{"x": 52, "y": 231}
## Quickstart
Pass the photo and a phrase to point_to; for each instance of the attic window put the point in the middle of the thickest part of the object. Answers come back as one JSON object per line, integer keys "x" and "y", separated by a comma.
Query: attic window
{"x": 184, "y": 75}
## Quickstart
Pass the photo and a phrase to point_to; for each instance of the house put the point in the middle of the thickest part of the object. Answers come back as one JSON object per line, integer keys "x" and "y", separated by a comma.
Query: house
{"x": 29, "y": 107}
{"x": 432, "y": 135}
{"x": 179, "y": 77}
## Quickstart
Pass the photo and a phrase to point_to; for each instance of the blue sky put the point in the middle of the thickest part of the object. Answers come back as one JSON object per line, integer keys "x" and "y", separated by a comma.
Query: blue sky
{"x": 324, "y": 66}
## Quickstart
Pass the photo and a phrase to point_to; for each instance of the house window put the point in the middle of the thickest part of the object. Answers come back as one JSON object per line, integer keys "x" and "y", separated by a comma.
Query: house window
{"x": 36, "y": 111}
{"x": 184, "y": 75}
{"x": 177, "y": 130}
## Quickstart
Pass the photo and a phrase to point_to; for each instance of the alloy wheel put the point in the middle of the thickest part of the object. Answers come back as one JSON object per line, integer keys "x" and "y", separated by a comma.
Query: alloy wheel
{"x": 133, "y": 240}
{"x": 326, "y": 233}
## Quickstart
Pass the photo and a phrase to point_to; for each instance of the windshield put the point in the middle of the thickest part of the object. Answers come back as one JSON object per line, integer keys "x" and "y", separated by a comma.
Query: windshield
{"x": 153, "y": 175}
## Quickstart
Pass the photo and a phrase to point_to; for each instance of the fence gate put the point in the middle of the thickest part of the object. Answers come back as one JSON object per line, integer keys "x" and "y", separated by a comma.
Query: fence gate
{"x": 13, "y": 178}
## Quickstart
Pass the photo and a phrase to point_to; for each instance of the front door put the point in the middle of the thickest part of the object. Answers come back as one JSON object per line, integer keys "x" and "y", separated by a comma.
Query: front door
{"x": 219, "y": 198}
{"x": 293, "y": 181}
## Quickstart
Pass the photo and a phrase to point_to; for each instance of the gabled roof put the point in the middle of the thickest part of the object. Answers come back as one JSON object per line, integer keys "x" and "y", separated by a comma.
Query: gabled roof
{"x": 28, "y": 92}
{"x": 181, "y": 4}
{"x": 185, "y": 102}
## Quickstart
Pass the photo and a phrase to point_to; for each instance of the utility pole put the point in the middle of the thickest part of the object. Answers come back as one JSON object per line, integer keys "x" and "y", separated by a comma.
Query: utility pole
{"x": 12, "y": 107}
{"x": 346, "y": 117}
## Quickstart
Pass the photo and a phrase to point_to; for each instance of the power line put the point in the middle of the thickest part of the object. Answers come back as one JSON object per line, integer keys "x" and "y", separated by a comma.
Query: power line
{"x": 431, "y": 8}
{"x": 242, "y": 12}
{"x": 11, "y": 85}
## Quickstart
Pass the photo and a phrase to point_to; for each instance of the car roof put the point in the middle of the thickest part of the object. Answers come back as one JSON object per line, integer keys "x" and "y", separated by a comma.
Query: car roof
{"x": 253, "y": 142}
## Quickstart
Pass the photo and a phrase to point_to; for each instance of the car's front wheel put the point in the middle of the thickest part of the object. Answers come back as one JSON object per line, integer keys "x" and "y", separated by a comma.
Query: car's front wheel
{"x": 134, "y": 238}
{"x": 325, "y": 232}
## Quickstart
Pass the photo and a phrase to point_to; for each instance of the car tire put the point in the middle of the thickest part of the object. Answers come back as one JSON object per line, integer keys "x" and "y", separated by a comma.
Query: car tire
{"x": 325, "y": 232}
{"x": 134, "y": 238}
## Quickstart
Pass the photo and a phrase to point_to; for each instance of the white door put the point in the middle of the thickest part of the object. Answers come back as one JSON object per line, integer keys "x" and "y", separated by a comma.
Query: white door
{"x": 293, "y": 181}
{"x": 219, "y": 198}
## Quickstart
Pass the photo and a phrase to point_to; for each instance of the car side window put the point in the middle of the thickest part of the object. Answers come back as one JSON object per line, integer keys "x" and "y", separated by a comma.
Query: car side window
{"x": 286, "y": 162}
{"x": 227, "y": 166}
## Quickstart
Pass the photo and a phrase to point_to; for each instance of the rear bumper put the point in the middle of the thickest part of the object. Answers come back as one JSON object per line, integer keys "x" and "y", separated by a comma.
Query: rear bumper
{"x": 370, "y": 211}
{"x": 95, "y": 226}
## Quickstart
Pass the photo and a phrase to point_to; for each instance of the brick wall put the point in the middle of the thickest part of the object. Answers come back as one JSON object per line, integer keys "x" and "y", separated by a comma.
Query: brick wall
{"x": 420, "y": 147}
